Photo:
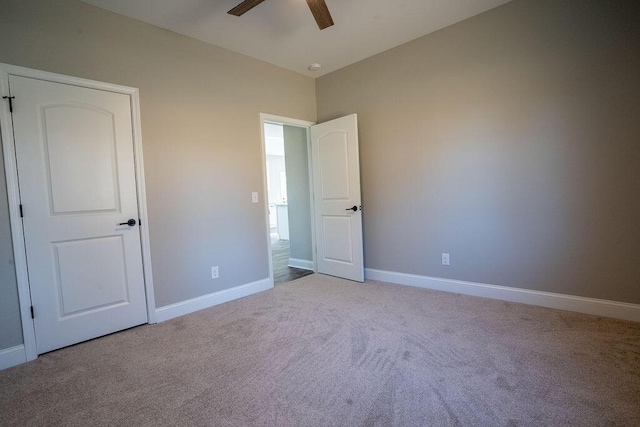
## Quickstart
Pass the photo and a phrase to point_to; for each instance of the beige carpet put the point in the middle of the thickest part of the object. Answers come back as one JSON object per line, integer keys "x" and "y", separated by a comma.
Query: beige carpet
{"x": 323, "y": 351}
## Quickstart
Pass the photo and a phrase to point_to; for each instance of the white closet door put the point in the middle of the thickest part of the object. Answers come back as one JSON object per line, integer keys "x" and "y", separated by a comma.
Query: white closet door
{"x": 74, "y": 149}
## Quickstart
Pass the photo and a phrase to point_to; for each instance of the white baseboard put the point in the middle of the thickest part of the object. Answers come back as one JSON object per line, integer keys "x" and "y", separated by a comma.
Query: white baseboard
{"x": 189, "y": 306}
{"x": 301, "y": 263}
{"x": 597, "y": 307}
{"x": 12, "y": 356}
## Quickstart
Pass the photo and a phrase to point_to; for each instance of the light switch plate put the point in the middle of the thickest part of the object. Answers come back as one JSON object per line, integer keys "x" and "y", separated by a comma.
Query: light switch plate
{"x": 254, "y": 197}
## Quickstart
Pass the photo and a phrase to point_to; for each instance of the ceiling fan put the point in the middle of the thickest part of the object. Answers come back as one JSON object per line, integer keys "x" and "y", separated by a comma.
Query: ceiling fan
{"x": 318, "y": 8}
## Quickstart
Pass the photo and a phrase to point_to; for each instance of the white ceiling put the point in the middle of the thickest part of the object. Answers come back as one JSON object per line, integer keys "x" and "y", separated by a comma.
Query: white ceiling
{"x": 284, "y": 33}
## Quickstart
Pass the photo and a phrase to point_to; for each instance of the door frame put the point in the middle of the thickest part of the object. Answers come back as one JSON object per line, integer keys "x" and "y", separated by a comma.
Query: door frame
{"x": 13, "y": 190}
{"x": 270, "y": 118}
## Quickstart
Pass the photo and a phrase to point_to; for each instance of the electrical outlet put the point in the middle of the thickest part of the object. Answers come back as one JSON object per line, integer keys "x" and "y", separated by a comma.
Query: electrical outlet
{"x": 254, "y": 197}
{"x": 214, "y": 272}
{"x": 445, "y": 259}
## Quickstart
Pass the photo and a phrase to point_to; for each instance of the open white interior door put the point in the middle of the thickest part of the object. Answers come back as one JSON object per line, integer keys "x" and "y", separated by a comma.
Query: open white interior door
{"x": 338, "y": 212}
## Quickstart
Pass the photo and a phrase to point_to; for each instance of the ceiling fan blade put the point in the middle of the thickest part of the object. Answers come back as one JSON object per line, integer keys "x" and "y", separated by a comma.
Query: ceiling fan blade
{"x": 320, "y": 13}
{"x": 244, "y": 7}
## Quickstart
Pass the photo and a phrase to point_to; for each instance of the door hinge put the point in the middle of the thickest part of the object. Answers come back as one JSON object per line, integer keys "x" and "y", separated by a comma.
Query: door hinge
{"x": 21, "y": 214}
{"x": 10, "y": 98}
{"x": 33, "y": 316}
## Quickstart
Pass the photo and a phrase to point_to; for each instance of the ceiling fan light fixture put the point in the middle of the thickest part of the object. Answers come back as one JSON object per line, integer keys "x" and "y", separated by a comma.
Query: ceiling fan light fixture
{"x": 320, "y": 13}
{"x": 314, "y": 67}
{"x": 318, "y": 8}
{"x": 244, "y": 7}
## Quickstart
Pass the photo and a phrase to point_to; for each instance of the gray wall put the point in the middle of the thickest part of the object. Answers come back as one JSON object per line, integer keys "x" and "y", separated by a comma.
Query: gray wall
{"x": 200, "y": 110}
{"x": 10, "y": 324}
{"x": 512, "y": 142}
{"x": 298, "y": 192}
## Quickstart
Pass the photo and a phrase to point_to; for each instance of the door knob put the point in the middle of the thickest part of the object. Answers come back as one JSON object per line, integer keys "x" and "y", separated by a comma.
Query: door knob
{"x": 130, "y": 223}
{"x": 355, "y": 208}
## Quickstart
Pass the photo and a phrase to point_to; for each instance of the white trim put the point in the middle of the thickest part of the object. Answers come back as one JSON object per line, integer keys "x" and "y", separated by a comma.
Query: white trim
{"x": 12, "y": 356}
{"x": 13, "y": 193}
{"x": 270, "y": 118}
{"x": 15, "y": 70}
{"x": 280, "y": 120}
{"x": 304, "y": 264}
{"x": 142, "y": 207}
{"x": 11, "y": 171}
{"x": 189, "y": 306}
{"x": 597, "y": 307}
{"x": 265, "y": 195}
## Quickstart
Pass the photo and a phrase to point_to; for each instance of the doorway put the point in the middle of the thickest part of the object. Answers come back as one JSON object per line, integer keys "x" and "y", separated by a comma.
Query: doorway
{"x": 332, "y": 176}
{"x": 73, "y": 158}
{"x": 289, "y": 200}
